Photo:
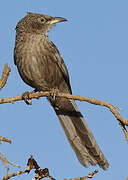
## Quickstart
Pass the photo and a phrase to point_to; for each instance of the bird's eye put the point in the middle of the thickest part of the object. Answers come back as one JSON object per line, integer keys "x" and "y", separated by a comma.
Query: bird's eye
{"x": 42, "y": 20}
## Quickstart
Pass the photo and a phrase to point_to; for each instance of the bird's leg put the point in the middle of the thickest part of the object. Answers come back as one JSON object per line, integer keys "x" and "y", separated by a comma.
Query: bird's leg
{"x": 26, "y": 97}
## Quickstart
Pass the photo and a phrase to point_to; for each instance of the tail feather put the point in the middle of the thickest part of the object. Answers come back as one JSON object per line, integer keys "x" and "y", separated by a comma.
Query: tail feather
{"x": 79, "y": 135}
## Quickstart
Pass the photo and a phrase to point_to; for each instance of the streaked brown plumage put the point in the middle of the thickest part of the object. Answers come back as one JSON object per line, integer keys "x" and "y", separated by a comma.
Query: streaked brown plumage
{"x": 41, "y": 66}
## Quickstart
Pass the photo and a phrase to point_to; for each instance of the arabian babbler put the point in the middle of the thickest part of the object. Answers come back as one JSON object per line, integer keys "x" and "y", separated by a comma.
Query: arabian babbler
{"x": 41, "y": 66}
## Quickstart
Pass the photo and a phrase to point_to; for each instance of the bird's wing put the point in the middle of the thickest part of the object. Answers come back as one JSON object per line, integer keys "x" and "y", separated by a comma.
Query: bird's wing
{"x": 56, "y": 57}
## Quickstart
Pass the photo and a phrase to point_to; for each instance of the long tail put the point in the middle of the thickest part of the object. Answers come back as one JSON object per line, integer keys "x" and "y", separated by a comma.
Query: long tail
{"x": 79, "y": 135}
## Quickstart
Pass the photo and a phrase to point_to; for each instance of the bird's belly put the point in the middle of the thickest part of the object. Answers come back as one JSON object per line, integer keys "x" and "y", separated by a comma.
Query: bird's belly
{"x": 41, "y": 76}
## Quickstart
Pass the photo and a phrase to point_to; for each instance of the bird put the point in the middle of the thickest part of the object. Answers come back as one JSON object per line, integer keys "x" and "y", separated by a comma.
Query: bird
{"x": 41, "y": 66}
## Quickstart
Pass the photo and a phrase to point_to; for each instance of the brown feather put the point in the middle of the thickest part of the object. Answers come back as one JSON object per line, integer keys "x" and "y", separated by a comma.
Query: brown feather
{"x": 40, "y": 65}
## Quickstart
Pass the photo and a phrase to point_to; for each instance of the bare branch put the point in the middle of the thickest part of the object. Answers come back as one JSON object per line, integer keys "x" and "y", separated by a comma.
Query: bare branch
{"x": 40, "y": 173}
{"x": 113, "y": 109}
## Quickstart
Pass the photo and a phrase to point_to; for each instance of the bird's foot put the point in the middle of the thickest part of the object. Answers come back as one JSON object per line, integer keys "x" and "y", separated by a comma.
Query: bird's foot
{"x": 54, "y": 93}
{"x": 26, "y": 97}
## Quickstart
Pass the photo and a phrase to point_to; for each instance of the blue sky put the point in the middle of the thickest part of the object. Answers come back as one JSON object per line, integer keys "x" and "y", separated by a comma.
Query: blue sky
{"x": 94, "y": 45}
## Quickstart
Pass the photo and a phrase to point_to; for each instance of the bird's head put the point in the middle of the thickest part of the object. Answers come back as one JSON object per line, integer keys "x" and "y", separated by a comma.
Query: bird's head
{"x": 37, "y": 23}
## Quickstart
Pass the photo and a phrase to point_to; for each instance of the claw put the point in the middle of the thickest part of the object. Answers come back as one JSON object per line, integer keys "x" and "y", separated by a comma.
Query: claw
{"x": 54, "y": 93}
{"x": 25, "y": 97}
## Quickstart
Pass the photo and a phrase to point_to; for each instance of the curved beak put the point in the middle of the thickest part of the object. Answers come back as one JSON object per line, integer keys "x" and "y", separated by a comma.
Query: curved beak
{"x": 56, "y": 20}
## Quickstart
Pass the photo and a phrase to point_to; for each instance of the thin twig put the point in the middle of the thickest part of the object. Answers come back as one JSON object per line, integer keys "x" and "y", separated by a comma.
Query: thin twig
{"x": 85, "y": 177}
{"x": 5, "y": 75}
{"x": 8, "y": 176}
{"x": 5, "y": 139}
{"x": 6, "y": 161}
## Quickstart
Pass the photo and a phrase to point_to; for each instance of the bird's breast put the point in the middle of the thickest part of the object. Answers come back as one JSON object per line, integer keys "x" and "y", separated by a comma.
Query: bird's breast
{"x": 37, "y": 64}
